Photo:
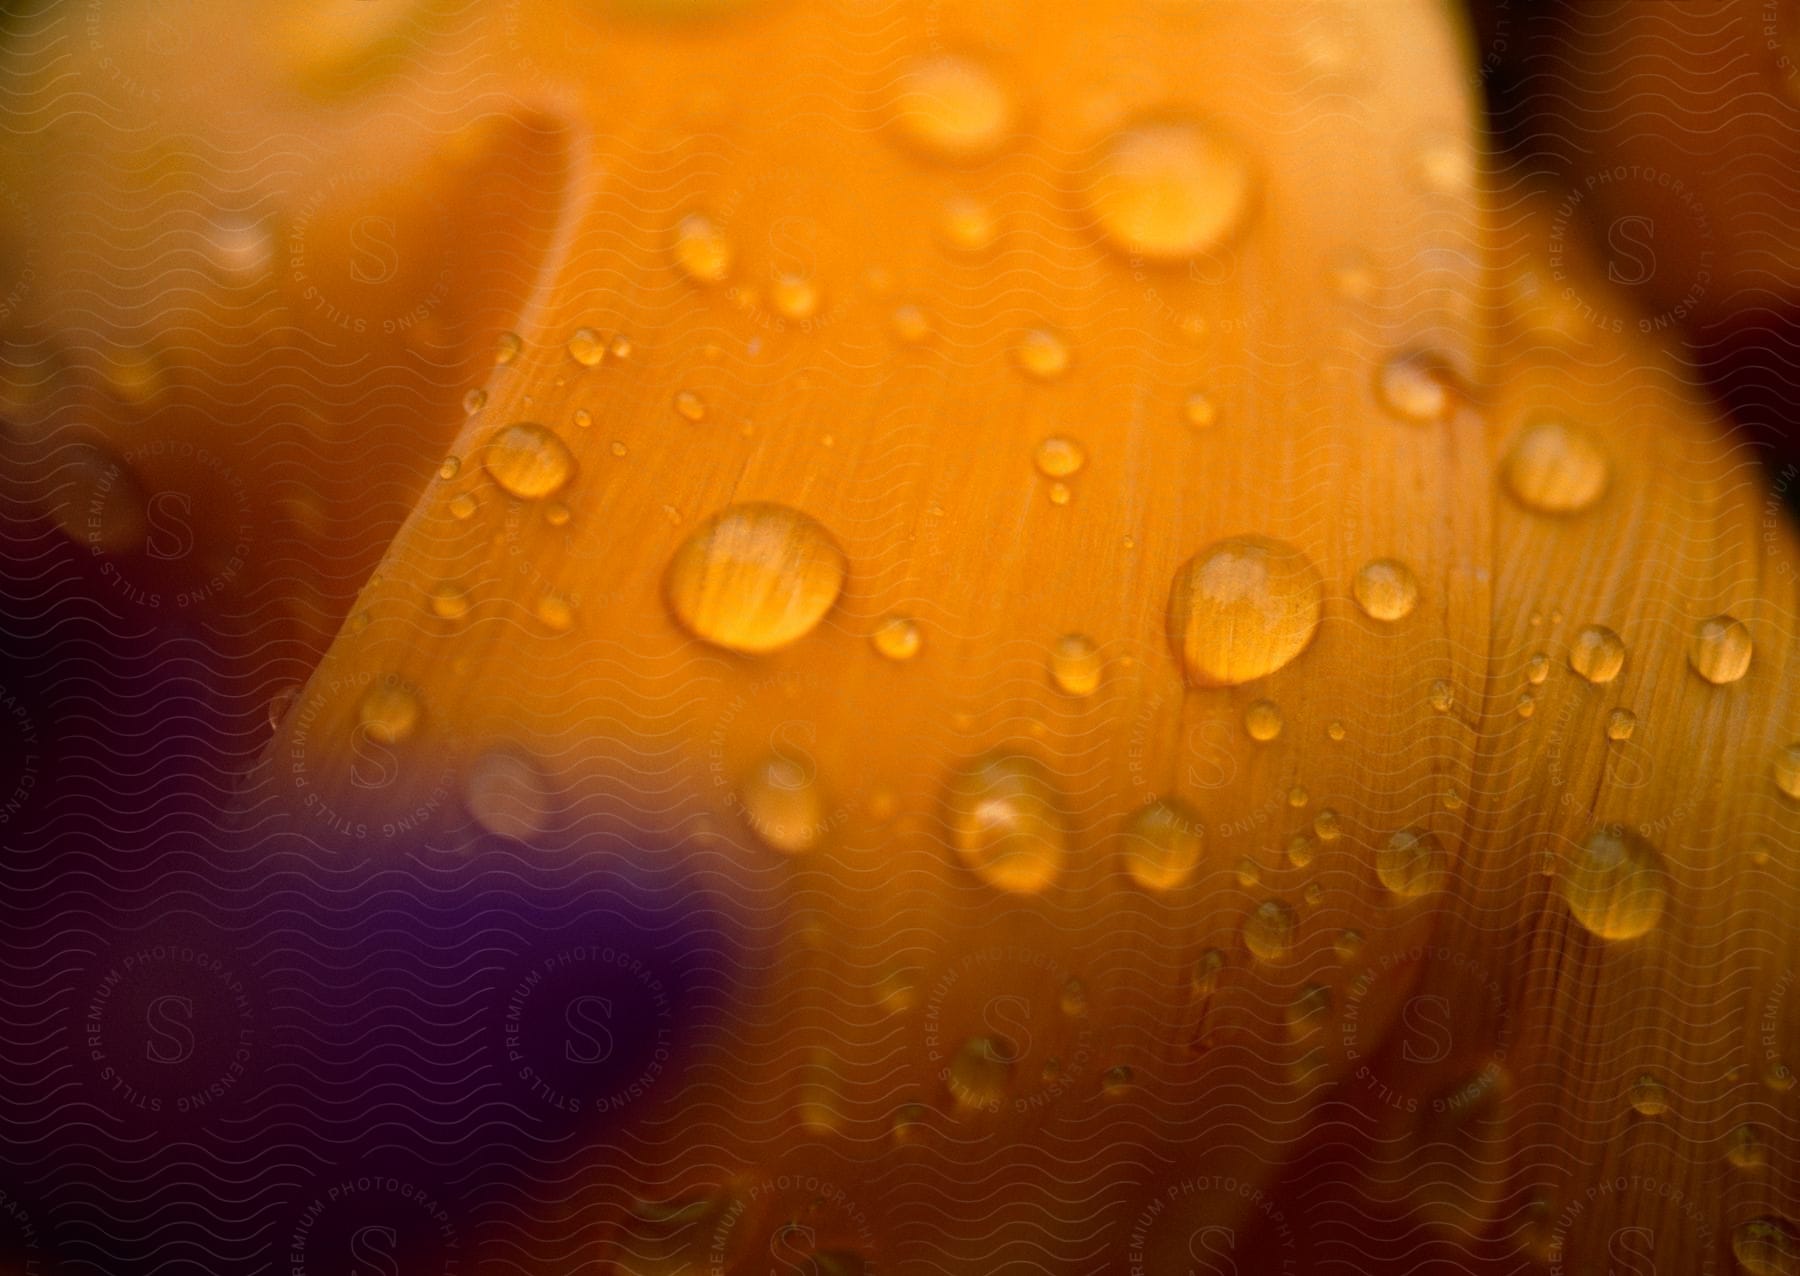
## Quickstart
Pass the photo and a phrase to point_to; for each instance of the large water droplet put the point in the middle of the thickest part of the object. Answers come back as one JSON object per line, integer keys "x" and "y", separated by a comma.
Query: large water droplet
{"x": 952, "y": 108}
{"x": 1554, "y": 468}
{"x": 1243, "y": 608}
{"x": 1615, "y": 883}
{"x": 782, "y": 804}
{"x": 1171, "y": 189}
{"x": 1386, "y": 589}
{"x": 527, "y": 460}
{"x": 1767, "y": 1246}
{"x": 1597, "y": 654}
{"x": 1004, "y": 817}
{"x": 1162, "y": 844}
{"x": 1413, "y": 862}
{"x": 754, "y": 577}
{"x": 1720, "y": 649}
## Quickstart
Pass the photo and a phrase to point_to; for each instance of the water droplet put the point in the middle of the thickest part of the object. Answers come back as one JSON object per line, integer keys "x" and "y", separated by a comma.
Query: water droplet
{"x": 1527, "y": 704}
{"x": 587, "y": 347}
{"x": 1171, "y": 189}
{"x": 980, "y": 1072}
{"x": 1386, "y": 589}
{"x": 1334, "y": 731}
{"x": 1648, "y": 1096}
{"x": 1060, "y": 494}
{"x": 897, "y": 638}
{"x": 1767, "y": 1246}
{"x": 1744, "y": 1147}
{"x": 1554, "y": 468}
{"x": 1302, "y": 849}
{"x": 1416, "y": 386}
{"x": 1615, "y": 883}
{"x": 1620, "y": 723}
{"x": 462, "y": 506}
{"x": 1116, "y": 1080}
{"x": 1059, "y": 457}
{"x": 909, "y": 324}
{"x": 474, "y": 401}
{"x": 1787, "y": 770}
{"x": 690, "y": 406}
{"x": 527, "y": 460}
{"x": 952, "y": 108}
{"x": 449, "y": 467}
{"x": 1440, "y": 696}
{"x": 507, "y": 348}
{"x": 1004, "y": 817}
{"x": 280, "y": 703}
{"x": 1309, "y": 1010}
{"x": 1348, "y": 944}
{"x": 782, "y": 804}
{"x": 1327, "y": 826}
{"x": 1720, "y": 649}
{"x": 1199, "y": 411}
{"x": 1075, "y": 665}
{"x": 389, "y": 711}
{"x": 1247, "y": 871}
{"x": 1262, "y": 719}
{"x": 1205, "y": 979}
{"x": 1042, "y": 354}
{"x": 1597, "y": 654}
{"x": 754, "y": 577}
{"x": 508, "y": 794}
{"x": 701, "y": 249}
{"x": 969, "y": 225}
{"x": 1269, "y": 930}
{"x": 1074, "y": 998}
{"x": 450, "y": 602}
{"x": 1413, "y": 863}
{"x": 1243, "y": 608}
{"x": 794, "y": 297}
{"x": 556, "y": 514}
{"x": 1162, "y": 844}
{"x": 1537, "y": 668}
{"x": 556, "y": 613}
{"x": 1297, "y": 796}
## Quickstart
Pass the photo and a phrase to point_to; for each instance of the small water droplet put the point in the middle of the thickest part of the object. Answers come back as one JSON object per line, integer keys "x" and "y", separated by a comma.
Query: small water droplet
{"x": 1386, "y": 589}
{"x": 556, "y": 514}
{"x": 1620, "y": 723}
{"x": 1597, "y": 654}
{"x": 1334, "y": 731}
{"x": 1074, "y": 998}
{"x": 1744, "y": 1147}
{"x": 1328, "y": 827}
{"x": 1269, "y": 930}
{"x": 1171, "y": 189}
{"x": 952, "y": 108}
{"x": 1162, "y": 844}
{"x": 690, "y": 406}
{"x": 782, "y": 804}
{"x": 508, "y": 794}
{"x": 1075, "y": 665}
{"x": 1247, "y": 871}
{"x": 1059, "y": 457}
{"x": 1309, "y": 1010}
{"x": 527, "y": 460}
{"x": 794, "y": 297}
{"x": 1787, "y": 770}
{"x": 1004, "y": 816}
{"x": 1348, "y": 944}
{"x": 980, "y": 1073}
{"x": 1302, "y": 849}
{"x": 450, "y": 602}
{"x": 754, "y": 577}
{"x": 556, "y": 613}
{"x": 462, "y": 506}
{"x": 1116, "y": 1081}
{"x": 1648, "y": 1096}
{"x": 1262, "y": 719}
{"x": 701, "y": 249}
{"x": 1417, "y": 386}
{"x": 1199, "y": 411}
{"x": 1243, "y": 608}
{"x": 582, "y": 418}
{"x": 587, "y": 347}
{"x": 507, "y": 348}
{"x": 1615, "y": 883}
{"x": 969, "y": 225}
{"x": 1554, "y": 468}
{"x": 389, "y": 711}
{"x": 1527, "y": 704}
{"x": 909, "y": 324}
{"x": 1298, "y": 796}
{"x": 1042, "y": 354}
{"x": 474, "y": 401}
{"x": 450, "y": 467}
{"x": 897, "y": 638}
{"x": 1720, "y": 649}
{"x": 1413, "y": 863}
{"x": 1060, "y": 494}
{"x": 1440, "y": 696}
